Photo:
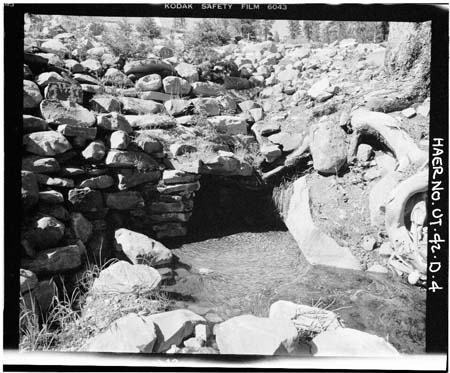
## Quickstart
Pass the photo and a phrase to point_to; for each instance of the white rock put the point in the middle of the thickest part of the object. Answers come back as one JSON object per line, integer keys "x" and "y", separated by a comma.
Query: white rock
{"x": 377, "y": 268}
{"x": 368, "y": 243}
{"x": 409, "y": 113}
{"x": 248, "y": 334}
{"x": 123, "y": 277}
{"x": 130, "y": 333}
{"x": 351, "y": 343}
{"x": 141, "y": 249}
{"x": 414, "y": 277}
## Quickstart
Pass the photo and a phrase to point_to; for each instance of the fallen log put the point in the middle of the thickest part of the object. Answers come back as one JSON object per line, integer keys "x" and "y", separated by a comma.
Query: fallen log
{"x": 388, "y": 132}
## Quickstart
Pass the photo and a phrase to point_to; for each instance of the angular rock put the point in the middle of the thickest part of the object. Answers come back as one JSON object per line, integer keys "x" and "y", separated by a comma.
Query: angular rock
{"x": 409, "y": 113}
{"x": 39, "y": 164}
{"x": 129, "y": 159}
{"x": 351, "y": 342}
{"x": 64, "y": 91}
{"x": 378, "y": 268}
{"x": 207, "y": 89}
{"x": 187, "y": 71}
{"x": 28, "y": 280}
{"x": 98, "y": 182}
{"x": 271, "y": 152}
{"x": 179, "y": 188}
{"x": 138, "y": 107}
{"x": 319, "y": 88}
{"x": 46, "y": 143}
{"x": 85, "y": 200}
{"x": 95, "y": 151}
{"x": 206, "y": 106}
{"x": 173, "y": 327}
{"x": 251, "y": 335}
{"x": 114, "y": 122}
{"x": 105, "y": 104}
{"x": 155, "y": 96}
{"x": 32, "y": 124}
{"x": 129, "y": 178}
{"x": 92, "y": 66}
{"x": 129, "y": 334}
{"x": 266, "y": 129}
{"x": 54, "y": 181}
{"x": 119, "y": 140}
{"x": 54, "y": 261}
{"x": 141, "y": 249}
{"x": 229, "y": 125}
{"x": 126, "y": 200}
{"x": 231, "y": 82}
{"x": 150, "y": 82}
{"x": 70, "y": 130}
{"x": 44, "y": 79}
{"x": 174, "y": 85}
{"x": 328, "y": 148}
{"x": 178, "y": 177}
{"x": 54, "y": 46}
{"x": 123, "y": 277}
{"x": 364, "y": 153}
{"x": 81, "y": 226}
{"x": 289, "y": 142}
{"x": 31, "y": 95}
{"x": 116, "y": 78}
{"x": 177, "y": 107}
{"x": 67, "y": 112}
{"x": 86, "y": 79}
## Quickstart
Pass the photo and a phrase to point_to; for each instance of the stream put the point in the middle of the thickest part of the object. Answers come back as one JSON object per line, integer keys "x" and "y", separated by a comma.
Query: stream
{"x": 246, "y": 272}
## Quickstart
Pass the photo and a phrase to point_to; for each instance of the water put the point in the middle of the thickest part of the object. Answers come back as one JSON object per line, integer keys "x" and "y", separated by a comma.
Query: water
{"x": 246, "y": 272}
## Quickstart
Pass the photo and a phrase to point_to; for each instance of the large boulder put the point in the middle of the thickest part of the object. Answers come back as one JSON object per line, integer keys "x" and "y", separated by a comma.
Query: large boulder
{"x": 131, "y": 333}
{"x": 141, "y": 249}
{"x": 328, "y": 148}
{"x": 67, "y": 112}
{"x": 174, "y": 327}
{"x": 123, "y": 277}
{"x": 46, "y": 143}
{"x": 352, "y": 343}
{"x": 251, "y": 335}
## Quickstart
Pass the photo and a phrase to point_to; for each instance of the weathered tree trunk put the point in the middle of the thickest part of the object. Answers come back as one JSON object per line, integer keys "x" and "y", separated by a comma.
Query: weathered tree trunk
{"x": 408, "y": 54}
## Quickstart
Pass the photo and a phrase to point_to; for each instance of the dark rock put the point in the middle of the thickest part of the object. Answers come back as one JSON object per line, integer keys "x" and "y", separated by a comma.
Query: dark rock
{"x": 85, "y": 199}
{"x": 30, "y": 190}
{"x": 54, "y": 261}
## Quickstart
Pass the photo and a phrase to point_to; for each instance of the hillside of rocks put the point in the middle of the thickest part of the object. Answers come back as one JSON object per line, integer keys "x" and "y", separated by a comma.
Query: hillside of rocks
{"x": 117, "y": 152}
